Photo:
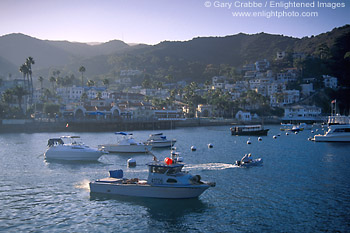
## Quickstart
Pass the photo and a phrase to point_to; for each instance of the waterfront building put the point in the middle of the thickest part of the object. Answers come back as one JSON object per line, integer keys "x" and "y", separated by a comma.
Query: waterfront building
{"x": 243, "y": 116}
{"x": 74, "y": 93}
{"x": 302, "y": 113}
{"x": 8, "y": 84}
{"x": 37, "y": 96}
{"x": 159, "y": 93}
{"x": 205, "y": 110}
{"x": 127, "y": 96}
{"x": 70, "y": 94}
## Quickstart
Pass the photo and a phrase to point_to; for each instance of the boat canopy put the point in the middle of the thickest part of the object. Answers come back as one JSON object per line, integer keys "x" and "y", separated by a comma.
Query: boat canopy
{"x": 55, "y": 141}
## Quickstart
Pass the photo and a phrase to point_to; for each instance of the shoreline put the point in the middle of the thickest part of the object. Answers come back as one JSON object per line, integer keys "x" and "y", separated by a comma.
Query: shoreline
{"x": 35, "y": 126}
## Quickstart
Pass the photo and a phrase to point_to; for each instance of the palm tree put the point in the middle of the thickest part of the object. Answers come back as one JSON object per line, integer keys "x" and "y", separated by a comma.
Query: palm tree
{"x": 53, "y": 81}
{"x": 84, "y": 97}
{"x": 19, "y": 92}
{"x": 47, "y": 94}
{"x": 7, "y": 97}
{"x": 24, "y": 70}
{"x": 41, "y": 80}
{"x": 106, "y": 82}
{"x": 99, "y": 95}
{"x": 91, "y": 83}
{"x": 82, "y": 70}
{"x": 29, "y": 62}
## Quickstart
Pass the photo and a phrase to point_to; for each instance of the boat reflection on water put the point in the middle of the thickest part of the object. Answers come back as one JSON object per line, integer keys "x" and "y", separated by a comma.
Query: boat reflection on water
{"x": 159, "y": 209}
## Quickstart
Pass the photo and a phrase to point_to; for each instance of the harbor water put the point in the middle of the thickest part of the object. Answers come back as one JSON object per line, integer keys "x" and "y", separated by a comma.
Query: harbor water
{"x": 302, "y": 186}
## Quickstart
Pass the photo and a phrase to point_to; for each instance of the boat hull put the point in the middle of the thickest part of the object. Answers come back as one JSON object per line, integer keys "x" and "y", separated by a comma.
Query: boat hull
{"x": 146, "y": 190}
{"x": 340, "y": 138}
{"x": 161, "y": 144}
{"x": 73, "y": 154}
{"x": 250, "y": 133}
{"x": 113, "y": 148}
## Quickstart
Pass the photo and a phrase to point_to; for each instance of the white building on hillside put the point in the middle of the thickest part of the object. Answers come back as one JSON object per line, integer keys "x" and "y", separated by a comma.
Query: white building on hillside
{"x": 302, "y": 113}
{"x": 280, "y": 99}
{"x": 243, "y": 116}
{"x": 329, "y": 81}
{"x": 262, "y": 65}
{"x": 73, "y": 94}
{"x": 219, "y": 82}
{"x": 307, "y": 89}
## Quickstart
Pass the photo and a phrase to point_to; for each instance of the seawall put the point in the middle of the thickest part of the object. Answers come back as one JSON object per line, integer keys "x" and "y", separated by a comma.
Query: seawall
{"x": 31, "y": 126}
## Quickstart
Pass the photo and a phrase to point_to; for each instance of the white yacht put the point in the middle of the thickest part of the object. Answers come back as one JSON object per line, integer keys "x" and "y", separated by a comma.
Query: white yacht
{"x": 126, "y": 145}
{"x": 165, "y": 180}
{"x": 158, "y": 140}
{"x": 335, "y": 133}
{"x": 338, "y": 130}
{"x": 71, "y": 148}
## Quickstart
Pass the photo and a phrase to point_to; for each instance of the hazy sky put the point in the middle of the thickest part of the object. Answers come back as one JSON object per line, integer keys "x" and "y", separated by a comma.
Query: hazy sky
{"x": 153, "y": 21}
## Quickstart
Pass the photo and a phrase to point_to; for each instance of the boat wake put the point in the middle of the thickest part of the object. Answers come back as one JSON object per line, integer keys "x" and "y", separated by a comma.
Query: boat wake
{"x": 211, "y": 166}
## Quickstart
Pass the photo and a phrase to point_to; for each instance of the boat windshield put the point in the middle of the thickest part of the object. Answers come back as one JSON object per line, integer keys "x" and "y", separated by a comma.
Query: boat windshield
{"x": 160, "y": 170}
{"x": 342, "y": 130}
{"x": 174, "y": 170}
{"x": 165, "y": 169}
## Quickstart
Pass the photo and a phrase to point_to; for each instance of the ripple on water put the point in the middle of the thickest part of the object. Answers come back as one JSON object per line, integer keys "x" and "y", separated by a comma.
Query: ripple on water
{"x": 302, "y": 186}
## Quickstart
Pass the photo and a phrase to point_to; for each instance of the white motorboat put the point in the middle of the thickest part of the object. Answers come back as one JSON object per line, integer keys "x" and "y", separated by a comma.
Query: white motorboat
{"x": 254, "y": 162}
{"x": 71, "y": 148}
{"x": 165, "y": 180}
{"x": 126, "y": 145}
{"x": 158, "y": 140}
{"x": 335, "y": 133}
{"x": 338, "y": 129}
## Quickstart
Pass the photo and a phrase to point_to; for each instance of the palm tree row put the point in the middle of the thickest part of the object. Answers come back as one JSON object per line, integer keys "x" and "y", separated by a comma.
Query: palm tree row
{"x": 26, "y": 70}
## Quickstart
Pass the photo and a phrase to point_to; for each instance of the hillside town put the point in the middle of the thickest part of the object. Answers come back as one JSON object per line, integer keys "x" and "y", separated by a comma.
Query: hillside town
{"x": 260, "y": 92}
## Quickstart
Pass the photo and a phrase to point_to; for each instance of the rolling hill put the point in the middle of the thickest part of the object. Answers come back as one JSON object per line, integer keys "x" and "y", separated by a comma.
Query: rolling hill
{"x": 186, "y": 60}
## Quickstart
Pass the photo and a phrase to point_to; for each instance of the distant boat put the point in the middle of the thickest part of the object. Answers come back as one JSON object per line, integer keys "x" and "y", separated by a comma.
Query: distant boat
{"x": 250, "y": 130}
{"x": 293, "y": 128}
{"x": 158, "y": 140}
{"x": 126, "y": 145}
{"x": 71, "y": 148}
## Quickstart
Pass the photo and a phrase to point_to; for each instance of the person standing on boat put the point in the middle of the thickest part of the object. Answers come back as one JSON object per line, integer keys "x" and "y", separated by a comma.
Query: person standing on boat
{"x": 246, "y": 158}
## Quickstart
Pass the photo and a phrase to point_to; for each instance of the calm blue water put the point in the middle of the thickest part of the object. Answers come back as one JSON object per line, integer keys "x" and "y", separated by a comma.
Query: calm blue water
{"x": 302, "y": 186}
